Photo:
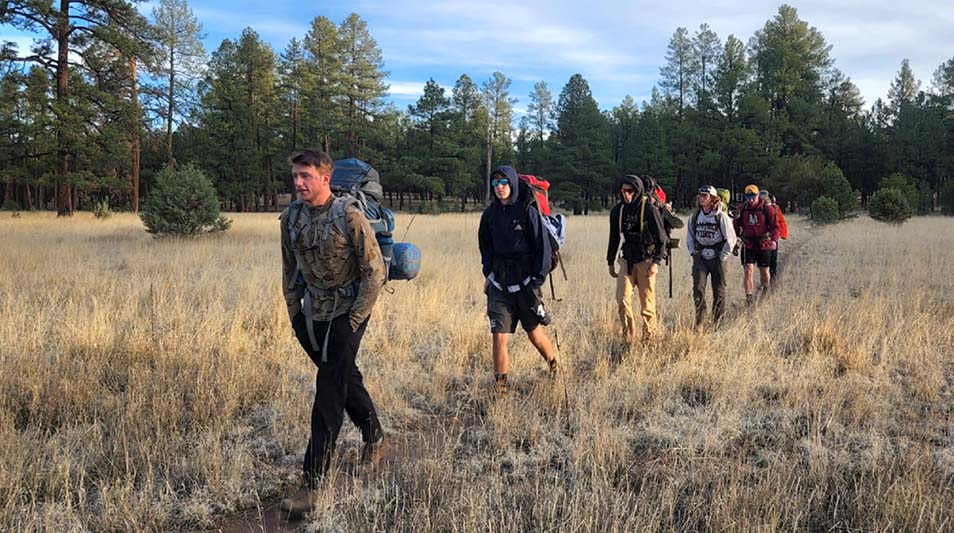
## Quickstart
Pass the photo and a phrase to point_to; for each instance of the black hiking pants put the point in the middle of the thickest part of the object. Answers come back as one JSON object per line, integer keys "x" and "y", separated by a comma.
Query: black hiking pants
{"x": 339, "y": 389}
{"x": 701, "y": 270}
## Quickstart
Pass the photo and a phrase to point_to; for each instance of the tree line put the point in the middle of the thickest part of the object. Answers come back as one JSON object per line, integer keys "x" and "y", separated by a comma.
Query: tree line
{"x": 105, "y": 99}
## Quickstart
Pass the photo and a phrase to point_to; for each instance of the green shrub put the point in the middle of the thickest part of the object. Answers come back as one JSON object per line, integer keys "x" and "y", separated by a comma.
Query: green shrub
{"x": 101, "y": 210}
{"x": 947, "y": 198}
{"x": 916, "y": 192}
{"x": 825, "y": 211}
{"x": 835, "y": 186}
{"x": 182, "y": 203}
{"x": 10, "y": 205}
{"x": 889, "y": 205}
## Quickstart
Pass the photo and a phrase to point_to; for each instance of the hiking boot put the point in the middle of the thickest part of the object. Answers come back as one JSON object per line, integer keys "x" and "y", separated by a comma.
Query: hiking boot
{"x": 301, "y": 502}
{"x": 749, "y": 300}
{"x": 553, "y": 367}
{"x": 373, "y": 452}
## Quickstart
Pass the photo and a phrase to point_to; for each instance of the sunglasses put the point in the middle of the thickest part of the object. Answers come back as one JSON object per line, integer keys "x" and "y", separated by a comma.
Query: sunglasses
{"x": 627, "y": 190}
{"x": 750, "y": 195}
{"x": 500, "y": 181}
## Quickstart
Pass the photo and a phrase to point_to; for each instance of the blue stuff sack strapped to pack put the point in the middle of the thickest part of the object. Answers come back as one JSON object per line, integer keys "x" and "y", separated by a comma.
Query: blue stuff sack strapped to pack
{"x": 360, "y": 180}
{"x": 407, "y": 261}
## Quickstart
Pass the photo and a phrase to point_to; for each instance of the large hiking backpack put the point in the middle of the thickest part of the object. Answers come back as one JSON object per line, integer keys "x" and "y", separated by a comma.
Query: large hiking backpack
{"x": 535, "y": 190}
{"x": 355, "y": 178}
{"x": 355, "y": 182}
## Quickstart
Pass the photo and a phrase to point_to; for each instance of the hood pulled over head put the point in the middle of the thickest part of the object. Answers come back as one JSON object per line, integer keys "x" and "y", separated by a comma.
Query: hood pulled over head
{"x": 510, "y": 173}
{"x": 630, "y": 179}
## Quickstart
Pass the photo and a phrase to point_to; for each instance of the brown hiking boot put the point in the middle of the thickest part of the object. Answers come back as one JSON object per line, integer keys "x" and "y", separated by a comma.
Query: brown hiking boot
{"x": 301, "y": 502}
{"x": 373, "y": 452}
{"x": 554, "y": 367}
{"x": 502, "y": 387}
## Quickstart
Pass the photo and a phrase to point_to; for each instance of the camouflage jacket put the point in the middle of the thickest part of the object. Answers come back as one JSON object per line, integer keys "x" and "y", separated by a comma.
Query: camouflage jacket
{"x": 344, "y": 272}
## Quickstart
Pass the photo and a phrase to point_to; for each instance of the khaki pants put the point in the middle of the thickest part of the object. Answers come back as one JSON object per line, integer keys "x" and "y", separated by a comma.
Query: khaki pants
{"x": 646, "y": 288}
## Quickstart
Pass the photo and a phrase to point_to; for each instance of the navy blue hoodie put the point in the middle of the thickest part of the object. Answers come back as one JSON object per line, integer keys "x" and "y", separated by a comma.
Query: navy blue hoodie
{"x": 513, "y": 242}
{"x": 624, "y": 220}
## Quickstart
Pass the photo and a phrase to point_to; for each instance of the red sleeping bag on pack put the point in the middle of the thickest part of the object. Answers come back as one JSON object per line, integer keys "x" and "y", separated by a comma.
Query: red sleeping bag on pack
{"x": 539, "y": 188}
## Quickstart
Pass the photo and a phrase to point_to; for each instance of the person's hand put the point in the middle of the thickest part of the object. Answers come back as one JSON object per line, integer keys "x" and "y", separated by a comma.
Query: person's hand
{"x": 612, "y": 271}
{"x": 653, "y": 268}
{"x": 774, "y": 245}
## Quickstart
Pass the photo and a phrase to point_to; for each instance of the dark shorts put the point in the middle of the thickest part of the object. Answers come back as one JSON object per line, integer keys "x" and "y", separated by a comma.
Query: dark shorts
{"x": 505, "y": 309}
{"x": 762, "y": 258}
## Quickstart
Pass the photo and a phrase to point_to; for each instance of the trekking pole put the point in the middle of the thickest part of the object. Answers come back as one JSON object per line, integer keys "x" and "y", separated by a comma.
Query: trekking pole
{"x": 404, "y": 237}
{"x": 566, "y": 395}
{"x": 669, "y": 262}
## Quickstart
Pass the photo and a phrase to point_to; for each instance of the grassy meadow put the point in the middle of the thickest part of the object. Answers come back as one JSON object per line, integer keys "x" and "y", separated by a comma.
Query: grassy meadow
{"x": 151, "y": 385}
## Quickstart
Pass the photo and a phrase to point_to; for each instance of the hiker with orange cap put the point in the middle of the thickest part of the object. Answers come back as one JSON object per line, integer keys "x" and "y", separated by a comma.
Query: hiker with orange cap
{"x": 758, "y": 227}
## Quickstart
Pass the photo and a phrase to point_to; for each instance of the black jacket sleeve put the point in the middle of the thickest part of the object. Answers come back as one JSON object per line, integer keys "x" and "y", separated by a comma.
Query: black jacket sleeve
{"x": 612, "y": 248}
{"x": 657, "y": 231}
{"x": 540, "y": 244}
{"x": 485, "y": 244}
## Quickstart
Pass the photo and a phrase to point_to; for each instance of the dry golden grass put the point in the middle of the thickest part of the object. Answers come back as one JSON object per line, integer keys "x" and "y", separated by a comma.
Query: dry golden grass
{"x": 155, "y": 385}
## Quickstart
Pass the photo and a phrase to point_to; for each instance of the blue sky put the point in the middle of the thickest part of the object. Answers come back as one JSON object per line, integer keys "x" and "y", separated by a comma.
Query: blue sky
{"x": 617, "y": 46}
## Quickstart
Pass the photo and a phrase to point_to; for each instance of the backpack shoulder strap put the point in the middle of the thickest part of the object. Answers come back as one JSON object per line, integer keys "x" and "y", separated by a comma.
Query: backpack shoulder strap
{"x": 294, "y": 213}
{"x": 337, "y": 215}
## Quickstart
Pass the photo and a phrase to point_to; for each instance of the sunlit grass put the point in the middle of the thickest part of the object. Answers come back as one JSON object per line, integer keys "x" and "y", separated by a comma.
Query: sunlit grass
{"x": 155, "y": 385}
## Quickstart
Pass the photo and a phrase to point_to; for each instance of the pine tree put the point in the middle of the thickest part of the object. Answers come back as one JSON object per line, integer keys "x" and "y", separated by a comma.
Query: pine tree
{"x": 66, "y": 27}
{"x": 677, "y": 74}
{"x": 362, "y": 81}
{"x": 496, "y": 100}
{"x": 730, "y": 77}
{"x": 178, "y": 63}
{"x": 321, "y": 84}
{"x": 583, "y": 143}
{"x": 707, "y": 52}
{"x": 904, "y": 89}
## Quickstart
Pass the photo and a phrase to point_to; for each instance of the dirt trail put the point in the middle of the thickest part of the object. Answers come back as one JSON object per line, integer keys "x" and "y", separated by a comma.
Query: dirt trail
{"x": 433, "y": 432}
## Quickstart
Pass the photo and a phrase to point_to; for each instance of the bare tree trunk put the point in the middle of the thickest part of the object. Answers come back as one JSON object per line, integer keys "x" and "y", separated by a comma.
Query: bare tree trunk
{"x": 170, "y": 106}
{"x": 490, "y": 152}
{"x": 28, "y": 203}
{"x": 64, "y": 205}
{"x": 136, "y": 142}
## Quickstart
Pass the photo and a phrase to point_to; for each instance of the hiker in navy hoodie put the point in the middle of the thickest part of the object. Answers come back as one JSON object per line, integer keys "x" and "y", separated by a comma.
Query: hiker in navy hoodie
{"x": 638, "y": 243}
{"x": 515, "y": 254}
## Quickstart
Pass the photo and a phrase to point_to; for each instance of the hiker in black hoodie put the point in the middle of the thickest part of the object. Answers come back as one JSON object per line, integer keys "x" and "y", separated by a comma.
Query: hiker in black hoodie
{"x": 515, "y": 254}
{"x": 644, "y": 241}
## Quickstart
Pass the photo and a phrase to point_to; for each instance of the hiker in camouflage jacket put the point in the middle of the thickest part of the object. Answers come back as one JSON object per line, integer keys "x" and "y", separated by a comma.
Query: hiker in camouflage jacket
{"x": 332, "y": 272}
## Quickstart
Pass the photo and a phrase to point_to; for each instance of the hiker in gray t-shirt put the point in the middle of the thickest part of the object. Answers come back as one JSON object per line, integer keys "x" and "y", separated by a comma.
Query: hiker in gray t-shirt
{"x": 710, "y": 238}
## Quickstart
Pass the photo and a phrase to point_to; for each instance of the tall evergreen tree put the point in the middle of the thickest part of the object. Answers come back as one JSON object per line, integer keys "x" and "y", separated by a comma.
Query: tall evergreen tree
{"x": 362, "y": 81}
{"x": 904, "y": 89}
{"x": 582, "y": 138}
{"x": 707, "y": 52}
{"x": 677, "y": 74}
{"x": 67, "y": 27}
{"x": 321, "y": 84}
{"x": 178, "y": 63}
{"x": 496, "y": 99}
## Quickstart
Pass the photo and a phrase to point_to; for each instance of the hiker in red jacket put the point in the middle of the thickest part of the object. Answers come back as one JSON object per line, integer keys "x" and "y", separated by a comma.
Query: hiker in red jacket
{"x": 757, "y": 226}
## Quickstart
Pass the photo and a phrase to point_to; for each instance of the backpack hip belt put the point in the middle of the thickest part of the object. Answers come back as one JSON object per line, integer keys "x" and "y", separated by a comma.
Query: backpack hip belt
{"x": 347, "y": 291}
{"x": 717, "y": 246}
